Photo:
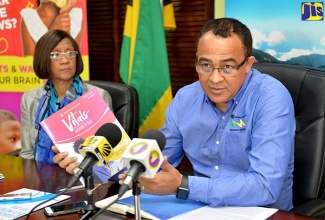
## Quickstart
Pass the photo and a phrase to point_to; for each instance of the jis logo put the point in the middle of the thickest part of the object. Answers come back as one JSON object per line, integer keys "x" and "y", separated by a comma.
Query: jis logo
{"x": 312, "y": 11}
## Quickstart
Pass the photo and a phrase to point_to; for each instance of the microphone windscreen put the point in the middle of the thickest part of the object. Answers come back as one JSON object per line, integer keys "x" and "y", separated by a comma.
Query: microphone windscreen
{"x": 155, "y": 135}
{"x": 111, "y": 132}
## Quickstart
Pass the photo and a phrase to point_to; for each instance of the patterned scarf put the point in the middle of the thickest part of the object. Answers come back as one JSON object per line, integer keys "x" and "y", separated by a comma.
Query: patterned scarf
{"x": 48, "y": 105}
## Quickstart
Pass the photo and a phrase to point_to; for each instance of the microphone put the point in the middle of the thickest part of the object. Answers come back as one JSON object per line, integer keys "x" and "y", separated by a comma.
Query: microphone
{"x": 143, "y": 156}
{"x": 97, "y": 149}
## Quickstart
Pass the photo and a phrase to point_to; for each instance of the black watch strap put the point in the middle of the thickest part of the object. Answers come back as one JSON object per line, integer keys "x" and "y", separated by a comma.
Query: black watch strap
{"x": 183, "y": 191}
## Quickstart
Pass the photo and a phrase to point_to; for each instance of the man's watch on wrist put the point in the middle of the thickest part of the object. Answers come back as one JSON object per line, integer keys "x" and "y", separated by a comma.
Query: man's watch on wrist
{"x": 183, "y": 191}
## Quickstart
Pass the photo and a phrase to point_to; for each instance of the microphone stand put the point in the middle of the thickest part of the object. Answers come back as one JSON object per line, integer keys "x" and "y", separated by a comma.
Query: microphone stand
{"x": 136, "y": 190}
{"x": 90, "y": 208}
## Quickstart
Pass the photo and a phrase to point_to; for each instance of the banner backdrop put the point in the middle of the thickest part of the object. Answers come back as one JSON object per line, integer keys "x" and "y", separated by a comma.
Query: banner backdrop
{"x": 290, "y": 31}
{"x": 16, "y": 59}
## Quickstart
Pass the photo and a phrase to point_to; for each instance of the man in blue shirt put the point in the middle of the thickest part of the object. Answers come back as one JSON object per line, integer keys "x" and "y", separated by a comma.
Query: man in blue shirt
{"x": 235, "y": 125}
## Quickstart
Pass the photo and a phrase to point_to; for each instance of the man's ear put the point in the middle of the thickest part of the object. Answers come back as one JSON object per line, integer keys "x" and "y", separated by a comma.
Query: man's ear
{"x": 250, "y": 61}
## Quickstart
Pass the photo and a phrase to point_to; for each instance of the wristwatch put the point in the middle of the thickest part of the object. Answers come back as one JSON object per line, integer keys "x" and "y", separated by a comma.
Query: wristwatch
{"x": 183, "y": 191}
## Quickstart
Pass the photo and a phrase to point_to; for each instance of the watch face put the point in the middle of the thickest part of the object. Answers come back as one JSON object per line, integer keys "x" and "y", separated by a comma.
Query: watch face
{"x": 182, "y": 193}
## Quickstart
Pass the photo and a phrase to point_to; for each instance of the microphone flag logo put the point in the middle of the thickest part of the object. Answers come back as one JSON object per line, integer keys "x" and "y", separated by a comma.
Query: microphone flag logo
{"x": 106, "y": 151}
{"x": 138, "y": 148}
{"x": 154, "y": 158}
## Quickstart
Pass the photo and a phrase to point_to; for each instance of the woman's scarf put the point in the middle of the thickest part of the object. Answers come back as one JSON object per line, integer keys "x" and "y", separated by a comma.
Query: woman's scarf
{"x": 48, "y": 105}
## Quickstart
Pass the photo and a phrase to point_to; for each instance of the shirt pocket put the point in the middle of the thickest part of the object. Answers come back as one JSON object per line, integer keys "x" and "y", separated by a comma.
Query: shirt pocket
{"x": 238, "y": 146}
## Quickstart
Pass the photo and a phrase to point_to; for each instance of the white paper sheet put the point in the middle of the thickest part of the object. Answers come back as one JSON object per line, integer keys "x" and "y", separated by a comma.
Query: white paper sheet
{"x": 228, "y": 213}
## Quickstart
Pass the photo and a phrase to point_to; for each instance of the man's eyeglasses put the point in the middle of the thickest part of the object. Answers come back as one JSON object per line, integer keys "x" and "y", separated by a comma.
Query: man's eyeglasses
{"x": 205, "y": 69}
{"x": 58, "y": 55}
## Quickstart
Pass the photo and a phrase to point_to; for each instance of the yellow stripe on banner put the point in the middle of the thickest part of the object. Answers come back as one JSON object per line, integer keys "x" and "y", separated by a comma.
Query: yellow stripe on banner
{"x": 131, "y": 28}
{"x": 156, "y": 118}
{"x": 18, "y": 74}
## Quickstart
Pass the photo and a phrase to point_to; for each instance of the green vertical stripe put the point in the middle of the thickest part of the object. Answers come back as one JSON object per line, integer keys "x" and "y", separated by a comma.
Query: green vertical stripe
{"x": 150, "y": 71}
{"x": 125, "y": 59}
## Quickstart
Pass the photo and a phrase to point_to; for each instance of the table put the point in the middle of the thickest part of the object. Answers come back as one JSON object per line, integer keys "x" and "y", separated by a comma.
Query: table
{"x": 23, "y": 173}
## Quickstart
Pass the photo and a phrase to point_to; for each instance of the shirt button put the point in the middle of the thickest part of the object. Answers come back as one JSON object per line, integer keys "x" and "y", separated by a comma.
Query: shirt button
{"x": 216, "y": 167}
{"x": 236, "y": 102}
{"x": 217, "y": 142}
{"x": 223, "y": 117}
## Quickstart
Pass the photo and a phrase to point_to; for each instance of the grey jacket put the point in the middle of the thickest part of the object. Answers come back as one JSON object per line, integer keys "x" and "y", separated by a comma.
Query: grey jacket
{"x": 28, "y": 107}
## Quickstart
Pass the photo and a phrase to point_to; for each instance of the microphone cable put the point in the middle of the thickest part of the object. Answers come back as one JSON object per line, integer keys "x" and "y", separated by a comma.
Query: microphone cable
{"x": 104, "y": 208}
{"x": 46, "y": 201}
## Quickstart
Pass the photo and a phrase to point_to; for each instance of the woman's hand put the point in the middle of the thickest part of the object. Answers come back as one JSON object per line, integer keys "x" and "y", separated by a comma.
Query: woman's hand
{"x": 70, "y": 4}
{"x": 61, "y": 22}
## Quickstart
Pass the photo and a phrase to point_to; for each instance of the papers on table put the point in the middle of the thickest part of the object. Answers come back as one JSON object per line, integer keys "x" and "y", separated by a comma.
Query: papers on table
{"x": 169, "y": 207}
{"x": 228, "y": 213}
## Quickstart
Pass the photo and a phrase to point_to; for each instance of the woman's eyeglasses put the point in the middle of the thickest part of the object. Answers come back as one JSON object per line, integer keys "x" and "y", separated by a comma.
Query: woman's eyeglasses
{"x": 58, "y": 55}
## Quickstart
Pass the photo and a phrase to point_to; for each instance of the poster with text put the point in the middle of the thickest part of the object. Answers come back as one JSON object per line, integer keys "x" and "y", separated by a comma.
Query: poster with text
{"x": 22, "y": 23}
{"x": 289, "y": 31}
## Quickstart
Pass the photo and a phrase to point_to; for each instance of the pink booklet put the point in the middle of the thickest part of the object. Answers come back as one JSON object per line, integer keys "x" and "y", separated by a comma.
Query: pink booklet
{"x": 70, "y": 126}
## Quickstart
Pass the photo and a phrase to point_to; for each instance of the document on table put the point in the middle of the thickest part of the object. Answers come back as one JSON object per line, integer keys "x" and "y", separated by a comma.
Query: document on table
{"x": 12, "y": 209}
{"x": 227, "y": 213}
{"x": 169, "y": 207}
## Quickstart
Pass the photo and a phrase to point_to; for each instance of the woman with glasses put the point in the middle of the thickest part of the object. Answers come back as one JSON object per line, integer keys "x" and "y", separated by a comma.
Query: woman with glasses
{"x": 235, "y": 125}
{"x": 57, "y": 59}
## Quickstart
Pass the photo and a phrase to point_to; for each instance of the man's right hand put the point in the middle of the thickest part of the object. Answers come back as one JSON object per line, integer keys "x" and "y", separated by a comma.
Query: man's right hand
{"x": 65, "y": 162}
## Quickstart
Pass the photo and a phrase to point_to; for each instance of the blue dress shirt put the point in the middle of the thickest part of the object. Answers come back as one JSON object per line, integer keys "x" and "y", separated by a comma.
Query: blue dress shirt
{"x": 241, "y": 157}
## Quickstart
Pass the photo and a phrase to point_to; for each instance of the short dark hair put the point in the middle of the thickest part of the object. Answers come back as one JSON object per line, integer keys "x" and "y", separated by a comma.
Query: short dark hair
{"x": 225, "y": 27}
{"x": 44, "y": 47}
